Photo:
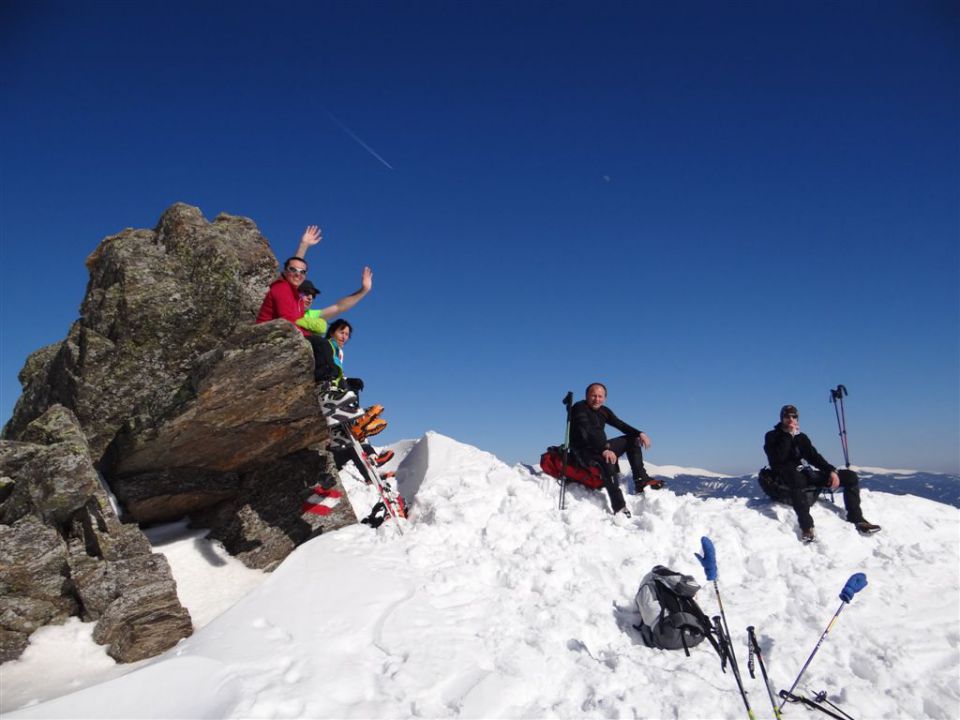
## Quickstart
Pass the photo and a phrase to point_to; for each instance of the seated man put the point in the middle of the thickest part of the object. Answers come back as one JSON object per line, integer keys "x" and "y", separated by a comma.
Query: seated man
{"x": 589, "y": 444}
{"x": 786, "y": 448}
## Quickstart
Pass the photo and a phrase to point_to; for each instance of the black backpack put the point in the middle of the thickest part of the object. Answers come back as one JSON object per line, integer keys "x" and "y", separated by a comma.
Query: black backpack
{"x": 670, "y": 618}
{"x": 777, "y": 490}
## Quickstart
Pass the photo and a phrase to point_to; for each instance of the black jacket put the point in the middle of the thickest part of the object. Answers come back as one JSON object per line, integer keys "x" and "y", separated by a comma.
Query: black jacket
{"x": 785, "y": 451}
{"x": 586, "y": 427}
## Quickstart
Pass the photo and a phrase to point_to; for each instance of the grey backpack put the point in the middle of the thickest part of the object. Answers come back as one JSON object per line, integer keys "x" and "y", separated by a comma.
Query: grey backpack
{"x": 670, "y": 618}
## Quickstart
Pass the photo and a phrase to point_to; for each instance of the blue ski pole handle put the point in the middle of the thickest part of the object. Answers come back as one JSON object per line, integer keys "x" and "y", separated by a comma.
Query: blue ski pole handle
{"x": 709, "y": 558}
{"x": 856, "y": 583}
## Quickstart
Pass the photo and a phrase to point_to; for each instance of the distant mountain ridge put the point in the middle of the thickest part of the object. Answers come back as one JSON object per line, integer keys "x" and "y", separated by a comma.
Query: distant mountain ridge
{"x": 939, "y": 487}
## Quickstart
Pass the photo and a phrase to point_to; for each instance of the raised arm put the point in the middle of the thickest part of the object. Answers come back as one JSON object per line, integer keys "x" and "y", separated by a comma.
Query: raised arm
{"x": 345, "y": 303}
{"x": 311, "y": 236}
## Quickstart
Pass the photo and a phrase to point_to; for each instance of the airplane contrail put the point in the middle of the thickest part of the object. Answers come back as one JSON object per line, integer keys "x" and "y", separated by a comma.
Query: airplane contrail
{"x": 360, "y": 142}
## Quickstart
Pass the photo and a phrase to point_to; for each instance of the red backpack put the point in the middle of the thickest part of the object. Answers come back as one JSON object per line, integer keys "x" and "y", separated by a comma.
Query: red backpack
{"x": 551, "y": 462}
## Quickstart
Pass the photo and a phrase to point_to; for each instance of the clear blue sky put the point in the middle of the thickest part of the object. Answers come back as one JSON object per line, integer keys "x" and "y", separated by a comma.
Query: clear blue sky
{"x": 715, "y": 208}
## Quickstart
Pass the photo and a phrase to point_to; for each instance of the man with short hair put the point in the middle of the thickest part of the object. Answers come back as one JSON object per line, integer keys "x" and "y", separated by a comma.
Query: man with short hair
{"x": 787, "y": 449}
{"x": 589, "y": 443}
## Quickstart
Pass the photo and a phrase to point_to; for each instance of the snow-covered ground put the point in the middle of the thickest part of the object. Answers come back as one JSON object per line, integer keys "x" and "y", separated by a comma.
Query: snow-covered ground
{"x": 494, "y": 604}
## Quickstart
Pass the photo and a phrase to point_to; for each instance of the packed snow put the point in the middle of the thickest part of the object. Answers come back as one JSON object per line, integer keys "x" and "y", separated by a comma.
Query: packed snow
{"x": 493, "y": 604}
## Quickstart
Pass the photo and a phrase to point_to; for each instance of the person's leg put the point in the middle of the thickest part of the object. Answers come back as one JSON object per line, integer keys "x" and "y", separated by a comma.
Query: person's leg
{"x": 628, "y": 445}
{"x": 612, "y": 486}
{"x": 796, "y": 482}
{"x": 851, "y": 495}
{"x": 319, "y": 346}
{"x": 611, "y": 475}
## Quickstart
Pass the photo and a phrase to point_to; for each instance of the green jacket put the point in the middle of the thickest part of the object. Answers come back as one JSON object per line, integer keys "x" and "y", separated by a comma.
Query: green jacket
{"x": 313, "y": 321}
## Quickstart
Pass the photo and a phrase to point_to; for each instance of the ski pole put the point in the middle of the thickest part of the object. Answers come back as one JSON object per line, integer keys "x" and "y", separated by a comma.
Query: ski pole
{"x": 836, "y": 397}
{"x": 814, "y": 705}
{"x": 856, "y": 583}
{"x": 568, "y": 401}
{"x": 755, "y": 650}
{"x": 821, "y": 697}
{"x": 709, "y": 562}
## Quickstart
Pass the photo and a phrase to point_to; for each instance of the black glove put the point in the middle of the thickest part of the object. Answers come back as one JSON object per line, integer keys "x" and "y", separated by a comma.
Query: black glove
{"x": 355, "y": 384}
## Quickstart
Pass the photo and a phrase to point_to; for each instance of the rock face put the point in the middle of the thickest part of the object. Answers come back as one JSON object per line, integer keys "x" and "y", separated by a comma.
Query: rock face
{"x": 185, "y": 406}
{"x": 63, "y": 551}
{"x": 156, "y": 301}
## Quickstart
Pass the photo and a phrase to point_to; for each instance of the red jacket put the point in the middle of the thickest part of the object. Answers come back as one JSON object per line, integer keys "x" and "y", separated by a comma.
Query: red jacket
{"x": 282, "y": 301}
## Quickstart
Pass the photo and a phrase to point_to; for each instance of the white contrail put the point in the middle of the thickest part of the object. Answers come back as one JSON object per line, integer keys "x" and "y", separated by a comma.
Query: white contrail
{"x": 360, "y": 142}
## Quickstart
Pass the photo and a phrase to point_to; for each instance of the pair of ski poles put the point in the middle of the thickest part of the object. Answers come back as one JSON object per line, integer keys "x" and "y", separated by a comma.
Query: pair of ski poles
{"x": 708, "y": 560}
{"x": 836, "y": 397}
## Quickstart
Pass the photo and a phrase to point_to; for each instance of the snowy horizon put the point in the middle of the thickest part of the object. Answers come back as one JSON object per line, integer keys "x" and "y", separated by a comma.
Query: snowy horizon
{"x": 494, "y": 604}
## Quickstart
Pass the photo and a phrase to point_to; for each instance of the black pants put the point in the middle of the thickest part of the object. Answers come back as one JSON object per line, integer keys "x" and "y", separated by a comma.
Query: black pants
{"x": 797, "y": 481}
{"x": 320, "y": 367}
{"x": 611, "y": 472}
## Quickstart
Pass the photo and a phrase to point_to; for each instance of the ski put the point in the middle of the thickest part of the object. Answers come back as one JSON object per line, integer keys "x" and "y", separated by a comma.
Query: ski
{"x": 392, "y": 501}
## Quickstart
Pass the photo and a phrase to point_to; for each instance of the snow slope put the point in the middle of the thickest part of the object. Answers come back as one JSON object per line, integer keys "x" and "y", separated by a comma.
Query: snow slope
{"x": 494, "y": 604}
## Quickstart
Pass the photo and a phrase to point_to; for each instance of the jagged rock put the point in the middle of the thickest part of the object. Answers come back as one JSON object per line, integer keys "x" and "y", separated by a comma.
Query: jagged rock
{"x": 156, "y": 301}
{"x": 63, "y": 551}
{"x": 264, "y": 524}
{"x": 186, "y": 407}
{"x": 167, "y": 495}
{"x": 34, "y": 589}
{"x": 135, "y": 603}
{"x": 249, "y": 402}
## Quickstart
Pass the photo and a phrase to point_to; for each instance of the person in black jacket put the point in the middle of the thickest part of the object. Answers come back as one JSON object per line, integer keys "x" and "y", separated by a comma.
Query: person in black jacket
{"x": 787, "y": 448}
{"x": 589, "y": 443}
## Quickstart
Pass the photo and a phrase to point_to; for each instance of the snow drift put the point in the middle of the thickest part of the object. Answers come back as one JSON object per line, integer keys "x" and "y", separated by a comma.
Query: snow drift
{"x": 494, "y": 604}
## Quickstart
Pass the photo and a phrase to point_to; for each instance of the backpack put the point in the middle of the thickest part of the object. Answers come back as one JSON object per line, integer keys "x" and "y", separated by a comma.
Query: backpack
{"x": 551, "y": 462}
{"x": 777, "y": 490}
{"x": 670, "y": 618}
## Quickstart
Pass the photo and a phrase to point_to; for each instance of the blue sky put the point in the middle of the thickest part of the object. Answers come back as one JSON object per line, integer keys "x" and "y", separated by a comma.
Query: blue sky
{"x": 715, "y": 208}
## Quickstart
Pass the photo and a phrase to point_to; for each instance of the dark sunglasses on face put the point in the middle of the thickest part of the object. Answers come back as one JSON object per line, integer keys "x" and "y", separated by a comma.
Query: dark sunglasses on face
{"x": 791, "y": 416}
{"x": 296, "y": 271}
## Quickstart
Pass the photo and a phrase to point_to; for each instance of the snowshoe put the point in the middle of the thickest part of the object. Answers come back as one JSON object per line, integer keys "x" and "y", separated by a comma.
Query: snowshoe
{"x": 382, "y": 458}
{"x": 374, "y": 427}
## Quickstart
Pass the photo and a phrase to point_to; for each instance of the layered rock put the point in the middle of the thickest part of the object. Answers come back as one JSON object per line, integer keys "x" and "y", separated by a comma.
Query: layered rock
{"x": 58, "y": 531}
{"x": 156, "y": 301}
{"x": 186, "y": 407}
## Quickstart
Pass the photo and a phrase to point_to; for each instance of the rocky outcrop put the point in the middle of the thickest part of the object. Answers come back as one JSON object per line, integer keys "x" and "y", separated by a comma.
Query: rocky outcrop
{"x": 246, "y": 402}
{"x": 185, "y": 406}
{"x": 63, "y": 551}
{"x": 263, "y": 524}
{"x": 156, "y": 301}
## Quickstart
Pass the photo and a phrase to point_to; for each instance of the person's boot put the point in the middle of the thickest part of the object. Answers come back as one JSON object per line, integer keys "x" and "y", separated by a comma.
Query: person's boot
{"x": 648, "y": 482}
{"x": 865, "y": 527}
{"x": 808, "y": 536}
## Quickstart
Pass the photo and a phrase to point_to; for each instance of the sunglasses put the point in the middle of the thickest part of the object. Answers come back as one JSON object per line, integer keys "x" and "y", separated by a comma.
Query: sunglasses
{"x": 295, "y": 271}
{"x": 792, "y": 416}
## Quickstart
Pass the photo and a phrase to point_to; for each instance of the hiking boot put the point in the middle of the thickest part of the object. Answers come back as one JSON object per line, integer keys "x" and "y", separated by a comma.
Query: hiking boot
{"x": 625, "y": 512}
{"x": 808, "y": 536}
{"x": 374, "y": 427}
{"x": 381, "y": 459}
{"x": 652, "y": 483}
{"x": 865, "y": 527}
